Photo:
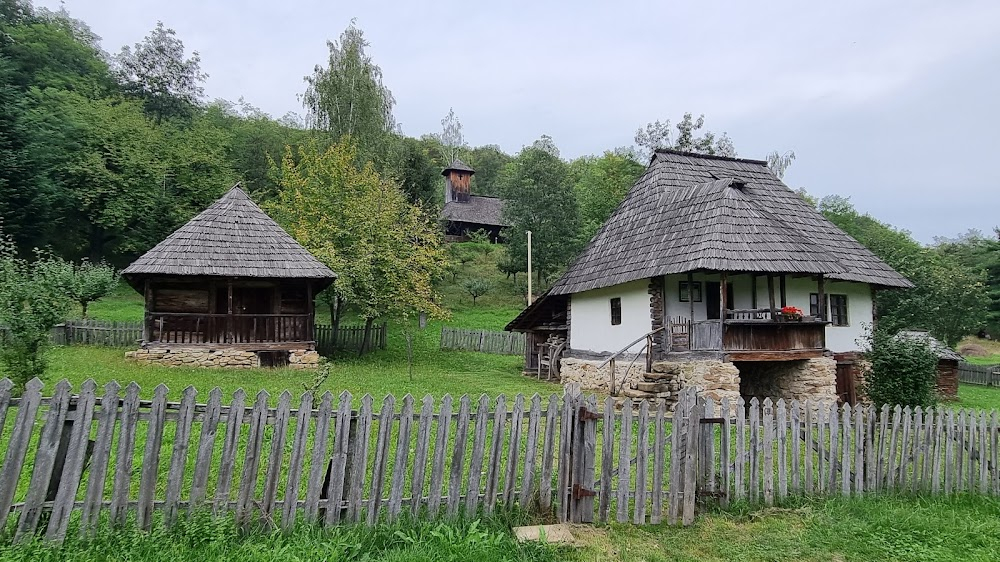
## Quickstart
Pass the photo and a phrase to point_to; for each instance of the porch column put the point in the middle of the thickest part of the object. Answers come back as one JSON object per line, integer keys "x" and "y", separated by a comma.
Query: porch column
{"x": 821, "y": 297}
{"x": 784, "y": 292}
{"x": 311, "y": 319}
{"x": 753, "y": 291}
{"x": 770, "y": 296}
{"x": 722, "y": 311}
{"x": 229, "y": 311}
{"x": 691, "y": 295}
{"x": 147, "y": 294}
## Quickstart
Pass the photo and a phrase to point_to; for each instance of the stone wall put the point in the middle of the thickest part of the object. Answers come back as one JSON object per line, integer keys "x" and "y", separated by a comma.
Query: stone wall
{"x": 585, "y": 372}
{"x": 718, "y": 379}
{"x": 656, "y": 320}
{"x": 220, "y": 358}
{"x": 812, "y": 379}
{"x": 947, "y": 380}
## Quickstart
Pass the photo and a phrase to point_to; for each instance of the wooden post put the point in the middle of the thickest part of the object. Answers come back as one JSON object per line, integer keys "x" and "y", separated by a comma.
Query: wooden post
{"x": 770, "y": 296}
{"x": 229, "y": 317}
{"x": 753, "y": 291}
{"x": 821, "y": 305}
{"x": 529, "y": 268}
{"x": 691, "y": 296}
{"x": 148, "y": 296}
{"x": 311, "y": 320}
{"x": 722, "y": 310}
{"x": 784, "y": 292}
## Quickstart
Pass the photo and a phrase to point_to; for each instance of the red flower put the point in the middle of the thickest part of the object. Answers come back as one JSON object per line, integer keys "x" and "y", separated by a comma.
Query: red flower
{"x": 790, "y": 310}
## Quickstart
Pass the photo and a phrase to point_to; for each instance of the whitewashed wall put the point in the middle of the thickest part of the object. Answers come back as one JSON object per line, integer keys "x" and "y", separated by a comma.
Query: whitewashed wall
{"x": 838, "y": 338}
{"x": 591, "y": 318}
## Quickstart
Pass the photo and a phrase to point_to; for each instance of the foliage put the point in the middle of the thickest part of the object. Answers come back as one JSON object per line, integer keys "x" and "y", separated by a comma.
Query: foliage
{"x": 462, "y": 252}
{"x": 488, "y": 161}
{"x": 949, "y": 299}
{"x": 347, "y": 97}
{"x": 600, "y": 184}
{"x": 156, "y": 72}
{"x": 658, "y": 135}
{"x": 901, "y": 370}
{"x": 476, "y": 288}
{"x": 33, "y": 299}
{"x": 418, "y": 176}
{"x": 539, "y": 198}
{"x": 778, "y": 162}
{"x": 451, "y": 135}
{"x": 90, "y": 281}
{"x": 979, "y": 253}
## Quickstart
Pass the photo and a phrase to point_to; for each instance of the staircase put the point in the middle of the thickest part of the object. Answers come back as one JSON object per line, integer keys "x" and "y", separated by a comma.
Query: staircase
{"x": 654, "y": 387}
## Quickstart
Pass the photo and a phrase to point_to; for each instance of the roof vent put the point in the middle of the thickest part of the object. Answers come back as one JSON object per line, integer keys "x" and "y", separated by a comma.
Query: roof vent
{"x": 737, "y": 183}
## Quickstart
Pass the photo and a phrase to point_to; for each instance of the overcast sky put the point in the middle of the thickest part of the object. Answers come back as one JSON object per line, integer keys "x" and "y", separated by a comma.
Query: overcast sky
{"x": 896, "y": 106}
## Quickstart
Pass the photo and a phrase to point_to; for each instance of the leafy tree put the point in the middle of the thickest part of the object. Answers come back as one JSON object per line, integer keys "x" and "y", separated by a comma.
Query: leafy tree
{"x": 418, "y": 176}
{"x": 600, "y": 184}
{"x": 510, "y": 267}
{"x": 540, "y": 199}
{"x": 900, "y": 370}
{"x": 451, "y": 135}
{"x": 778, "y": 162}
{"x": 658, "y": 135}
{"x": 347, "y": 97}
{"x": 981, "y": 254}
{"x": 476, "y": 288}
{"x": 488, "y": 161}
{"x": 89, "y": 281}
{"x": 157, "y": 72}
{"x": 33, "y": 299}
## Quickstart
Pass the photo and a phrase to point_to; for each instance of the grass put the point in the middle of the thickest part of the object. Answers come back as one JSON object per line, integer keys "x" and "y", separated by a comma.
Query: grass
{"x": 978, "y": 397}
{"x": 872, "y": 529}
{"x": 992, "y": 348}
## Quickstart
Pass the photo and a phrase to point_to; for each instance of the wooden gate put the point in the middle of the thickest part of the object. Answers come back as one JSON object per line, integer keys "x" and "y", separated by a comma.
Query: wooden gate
{"x": 847, "y": 392}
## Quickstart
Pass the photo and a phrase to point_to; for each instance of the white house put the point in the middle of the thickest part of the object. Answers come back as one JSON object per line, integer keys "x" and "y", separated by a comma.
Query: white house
{"x": 695, "y": 265}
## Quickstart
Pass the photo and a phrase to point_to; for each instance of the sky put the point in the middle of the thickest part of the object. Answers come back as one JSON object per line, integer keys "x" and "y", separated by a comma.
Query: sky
{"x": 893, "y": 104}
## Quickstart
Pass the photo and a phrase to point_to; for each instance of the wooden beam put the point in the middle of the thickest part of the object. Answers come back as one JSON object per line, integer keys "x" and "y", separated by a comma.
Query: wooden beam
{"x": 796, "y": 355}
{"x": 691, "y": 295}
{"x": 147, "y": 294}
{"x": 753, "y": 290}
{"x": 229, "y": 317}
{"x": 770, "y": 296}
{"x": 722, "y": 309}
{"x": 820, "y": 286}
{"x": 784, "y": 292}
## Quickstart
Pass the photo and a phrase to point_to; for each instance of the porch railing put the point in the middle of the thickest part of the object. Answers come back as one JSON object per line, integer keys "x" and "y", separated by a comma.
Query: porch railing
{"x": 169, "y": 327}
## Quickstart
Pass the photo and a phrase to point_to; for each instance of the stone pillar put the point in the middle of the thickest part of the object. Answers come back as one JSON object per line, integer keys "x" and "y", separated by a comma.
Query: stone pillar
{"x": 656, "y": 313}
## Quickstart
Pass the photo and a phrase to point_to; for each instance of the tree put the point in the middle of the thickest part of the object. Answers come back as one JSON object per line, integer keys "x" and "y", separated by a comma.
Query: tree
{"x": 778, "y": 163}
{"x": 476, "y": 288}
{"x": 979, "y": 253}
{"x": 347, "y": 97}
{"x": 33, "y": 299}
{"x": 600, "y": 184}
{"x": 539, "y": 198}
{"x": 385, "y": 250}
{"x": 488, "y": 162}
{"x": 89, "y": 282}
{"x": 657, "y": 135}
{"x": 901, "y": 370}
{"x": 418, "y": 176}
{"x": 157, "y": 72}
{"x": 451, "y": 135}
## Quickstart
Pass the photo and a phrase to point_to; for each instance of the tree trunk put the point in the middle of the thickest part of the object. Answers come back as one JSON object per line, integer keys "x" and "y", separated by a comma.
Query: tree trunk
{"x": 367, "y": 341}
{"x": 83, "y": 305}
{"x": 336, "y": 312}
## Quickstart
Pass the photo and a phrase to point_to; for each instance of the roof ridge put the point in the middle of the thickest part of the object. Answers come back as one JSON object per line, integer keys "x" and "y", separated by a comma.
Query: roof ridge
{"x": 710, "y": 156}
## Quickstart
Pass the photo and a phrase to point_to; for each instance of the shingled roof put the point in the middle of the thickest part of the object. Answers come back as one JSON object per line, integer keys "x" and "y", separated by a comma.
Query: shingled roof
{"x": 478, "y": 210}
{"x": 458, "y": 165}
{"x": 231, "y": 238}
{"x": 692, "y": 212}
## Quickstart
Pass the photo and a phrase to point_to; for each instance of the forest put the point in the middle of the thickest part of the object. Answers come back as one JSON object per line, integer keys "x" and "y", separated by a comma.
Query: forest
{"x": 102, "y": 155}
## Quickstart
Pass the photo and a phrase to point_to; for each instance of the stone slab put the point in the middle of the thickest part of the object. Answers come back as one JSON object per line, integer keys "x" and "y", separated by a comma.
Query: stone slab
{"x": 554, "y": 534}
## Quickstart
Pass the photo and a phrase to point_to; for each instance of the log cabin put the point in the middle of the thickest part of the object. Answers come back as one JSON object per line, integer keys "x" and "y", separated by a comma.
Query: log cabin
{"x": 230, "y": 288}
{"x": 692, "y": 273}
{"x": 464, "y": 212}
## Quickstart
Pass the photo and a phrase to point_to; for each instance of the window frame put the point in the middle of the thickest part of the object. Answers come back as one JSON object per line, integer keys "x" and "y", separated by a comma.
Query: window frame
{"x": 839, "y": 319}
{"x": 683, "y": 294}
{"x": 616, "y": 311}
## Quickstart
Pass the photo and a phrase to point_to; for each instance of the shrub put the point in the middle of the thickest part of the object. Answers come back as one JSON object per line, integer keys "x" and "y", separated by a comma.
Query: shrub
{"x": 90, "y": 281}
{"x": 900, "y": 370}
{"x": 476, "y": 288}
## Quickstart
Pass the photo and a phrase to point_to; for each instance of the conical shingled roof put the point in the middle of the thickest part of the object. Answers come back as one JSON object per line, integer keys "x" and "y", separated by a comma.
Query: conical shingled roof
{"x": 688, "y": 213}
{"x": 457, "y": 165}
{"x": 231, "y": 238}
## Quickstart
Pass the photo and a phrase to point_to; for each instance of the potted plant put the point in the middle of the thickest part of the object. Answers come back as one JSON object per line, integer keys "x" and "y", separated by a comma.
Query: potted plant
{"x": 791, "y": 314}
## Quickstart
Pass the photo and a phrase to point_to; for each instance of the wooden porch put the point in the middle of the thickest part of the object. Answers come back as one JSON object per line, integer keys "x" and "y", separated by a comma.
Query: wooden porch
{"x": 750, "y": 335}
{"x": 230, "y": 329}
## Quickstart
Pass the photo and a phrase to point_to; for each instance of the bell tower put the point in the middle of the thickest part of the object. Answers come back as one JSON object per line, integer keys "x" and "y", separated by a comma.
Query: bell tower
{"x": 457, "y": 182}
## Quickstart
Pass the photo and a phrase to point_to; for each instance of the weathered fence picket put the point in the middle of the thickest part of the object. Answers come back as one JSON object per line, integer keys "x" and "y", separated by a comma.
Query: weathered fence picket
{"x": 484, "y": 341}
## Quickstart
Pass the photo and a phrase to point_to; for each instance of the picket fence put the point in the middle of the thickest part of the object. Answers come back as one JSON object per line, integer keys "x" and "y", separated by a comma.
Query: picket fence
{"x": 499, "y": 343}
{"x": 331, "y": 461}
{"x": 986, "y": 375}
{"x": 349, "y": 338}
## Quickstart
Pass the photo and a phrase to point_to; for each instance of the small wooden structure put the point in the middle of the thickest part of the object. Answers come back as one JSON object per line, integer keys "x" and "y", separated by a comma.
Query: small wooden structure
{"x": 948, "y": 361}
{"x": 230, "y": 278}
{"x": 464, "y": 212}
{"x": 546, "y": 331}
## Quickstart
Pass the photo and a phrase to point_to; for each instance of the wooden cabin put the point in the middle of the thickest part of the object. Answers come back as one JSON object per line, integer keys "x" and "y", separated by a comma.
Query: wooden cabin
{"x": 699, "y": 260}
{"x": 464, "y": 212}
{"x": 230, "y": 278}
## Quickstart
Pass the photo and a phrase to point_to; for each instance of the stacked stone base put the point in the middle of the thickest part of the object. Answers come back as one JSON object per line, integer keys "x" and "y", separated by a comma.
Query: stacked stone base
{"x": 216, "y": 358}
{"x": 656, "y": 386}
{"x": 588, "y": 374}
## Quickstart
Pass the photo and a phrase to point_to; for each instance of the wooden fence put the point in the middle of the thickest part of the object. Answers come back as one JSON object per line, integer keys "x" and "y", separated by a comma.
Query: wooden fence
{"x": 349, "y": 338}
{"x": 499, "y": 343}
{"x": 89, "y": 458}
{"x": 986, "y": 375}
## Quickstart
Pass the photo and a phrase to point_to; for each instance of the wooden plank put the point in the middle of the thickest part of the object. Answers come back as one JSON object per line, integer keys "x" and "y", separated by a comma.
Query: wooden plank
{"x": 151, "y": 458}
{"x": 230, "y": 445}
{"x": 125, "y": 451}
{"x": 833, "y": 465}
{"x": 995, "y": 452}
{"x": 513, "y": 451}
{"x": 659, "y": 439}
{"x": 206, "y": 448}
{"x": 822, "y": 416}
{"x": 767, "y": 429}
{"x": 179, "y": 454}
{"x": 754, "y": 447}
{"x": 741, "y": 450}
{"x": 440, "y": 446}
{"x": 690, "y": 459}
{"x": 17, "y": 445}
{"x": 870, "y": 453}
{"x": 585, "y": 505}
{"x": 859, "y": 450}
{"x": 69, "y": 481}
{"x": 338, "y": 466}
{"x": 981, "y": 453}
{"x": 94, "y": 499}
{"x": 795, "y": 442}
{"x": 548, "y": 450}
{"x": 949, "y": 452}
{"x": 423, "y": 447}
{"x": 571, "y": 394}
{"x": 926, "y": 450}
{"x": 904, "y": 449}
{"x": 883, "y": 448}
{"x": 251, "y": 460}
{"x": 708, "y": 439}
{"x": 476, "y": 463}
{"x": 676, "y": 462}
{"x": 624, "y": 464}
{"x": 531, "y": 452}
{"x": 936, "y": 451}
{"x": 296, "y": 461}
{"x": 916, "y": 430}
{"x": 641, "y": 464}
{"x": 359, "y": 460}
{"x": 892, "y": 468}
{"x": 458, "y": 456}
{"x": 781, "y": 429}
{"x": 960, "y": 429}
{"x": 382, "y": 455}
{"x": 846, "y": 450}
{"x": 496, "y": 450}
{"x": 399, "y": 468}
{"x": 607, "y": 459}
{"x": 807, "y": 461}
{"x": 318, "y": 461}
{"x": 279, "y": 436}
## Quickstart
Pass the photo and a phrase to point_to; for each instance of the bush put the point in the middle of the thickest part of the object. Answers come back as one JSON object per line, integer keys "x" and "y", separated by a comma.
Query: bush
{"x": 900, "y": 370}
{"x": 476, "y": 288}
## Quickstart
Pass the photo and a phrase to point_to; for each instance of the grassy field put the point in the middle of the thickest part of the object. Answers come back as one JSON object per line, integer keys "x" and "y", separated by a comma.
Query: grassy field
{"x": 991, "y": 347}
{"x": 870, "y": 529}
{"x": 978, "y": 397}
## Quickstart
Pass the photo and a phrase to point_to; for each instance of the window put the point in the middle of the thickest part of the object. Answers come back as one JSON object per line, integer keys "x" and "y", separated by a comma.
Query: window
{"x": 837, "y": 305}
{"x": 616, "y": 311}
{"x": 695, "y": 291}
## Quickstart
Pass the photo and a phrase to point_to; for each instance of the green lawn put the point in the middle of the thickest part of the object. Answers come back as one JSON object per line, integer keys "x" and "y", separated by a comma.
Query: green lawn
{"x": 978, "y": 397}
{"x": 869, "y": 529}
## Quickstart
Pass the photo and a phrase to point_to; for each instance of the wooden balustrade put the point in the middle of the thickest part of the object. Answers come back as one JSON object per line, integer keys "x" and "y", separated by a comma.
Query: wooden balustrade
{"x": 168, "y": 327}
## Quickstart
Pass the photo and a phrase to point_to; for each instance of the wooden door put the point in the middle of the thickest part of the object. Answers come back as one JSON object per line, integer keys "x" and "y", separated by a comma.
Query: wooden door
{"x": 846, "y": 391}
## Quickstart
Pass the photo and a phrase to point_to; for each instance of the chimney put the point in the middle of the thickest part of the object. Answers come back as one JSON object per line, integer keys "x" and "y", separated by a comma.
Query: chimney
{"x": 457, "y": 182}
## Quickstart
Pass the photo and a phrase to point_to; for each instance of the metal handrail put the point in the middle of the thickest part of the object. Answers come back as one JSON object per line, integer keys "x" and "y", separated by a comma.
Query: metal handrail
{"x": 626, "y": 348}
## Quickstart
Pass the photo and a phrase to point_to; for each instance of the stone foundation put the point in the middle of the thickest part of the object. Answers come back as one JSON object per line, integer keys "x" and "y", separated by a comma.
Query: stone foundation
{"x": 718, "y": 379}
{"x": 585, "y": 372}
{"x": 218, "y": 358}
{"x": 812, "y": 379}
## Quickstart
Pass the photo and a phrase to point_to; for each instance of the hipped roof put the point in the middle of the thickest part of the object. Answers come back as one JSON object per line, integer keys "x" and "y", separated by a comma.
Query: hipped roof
{"x": 478, "y": 209}
{"x": 691, "y": 212}
{"x": 231, "y": 238}
{"x": 459, "y": 166}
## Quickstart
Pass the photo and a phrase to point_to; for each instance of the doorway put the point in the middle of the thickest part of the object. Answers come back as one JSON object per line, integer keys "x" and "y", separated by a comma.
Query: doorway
{"x": 712, "y": 304}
